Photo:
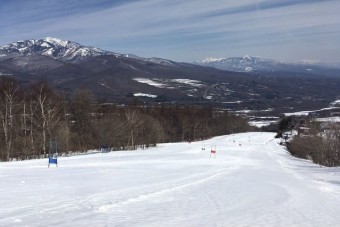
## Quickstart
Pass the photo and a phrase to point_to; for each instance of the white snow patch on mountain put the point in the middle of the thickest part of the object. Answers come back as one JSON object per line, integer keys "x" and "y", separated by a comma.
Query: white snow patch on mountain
{"x": 306, "y": 113}
{"x": 150, "y": 82}
{"x": 234, "y": 102}
{"x": 260, "y": 124}
{"x": 5, "y": 74}
{"x": 144, "y": 95}
{"x": 48, "y": 52}
{"x": 299, "y": 113}
{"x": 56, "y": 41}
{"x": 45, "y": 44}
{"x": 248, "y": 69}
{"x": 157, "y": 61}
{"x": 247, "y": 57}
{"x": 244, "y": 111}
{"x": 210, "y": 59}
{"x": 22, "y": 49}
{"x": 336, "y": 102}
{"x": 328, "y": 119}
{"x": 253, "y": 111}
{"x": 194, "y": 83}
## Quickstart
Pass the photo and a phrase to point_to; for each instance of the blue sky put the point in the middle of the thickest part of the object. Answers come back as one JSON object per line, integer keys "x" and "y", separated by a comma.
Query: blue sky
{"x": 183, "y": 30}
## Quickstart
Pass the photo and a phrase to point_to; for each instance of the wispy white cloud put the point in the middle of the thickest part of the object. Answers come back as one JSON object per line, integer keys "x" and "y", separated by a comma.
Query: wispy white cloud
{"x": 183, "y": 30}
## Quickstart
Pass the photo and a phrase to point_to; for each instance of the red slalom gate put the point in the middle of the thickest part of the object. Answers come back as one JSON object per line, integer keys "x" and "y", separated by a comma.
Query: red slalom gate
{"x": 213, "y": 152}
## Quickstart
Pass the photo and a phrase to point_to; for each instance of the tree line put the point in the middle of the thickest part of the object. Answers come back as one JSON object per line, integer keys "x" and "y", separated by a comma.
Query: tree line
{"x": 32, "y": 116}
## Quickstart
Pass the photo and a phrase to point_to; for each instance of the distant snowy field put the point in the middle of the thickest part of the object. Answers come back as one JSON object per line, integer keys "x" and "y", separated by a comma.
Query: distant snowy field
{"x": 260, "y": 124}
{"x": 253, "y": 181}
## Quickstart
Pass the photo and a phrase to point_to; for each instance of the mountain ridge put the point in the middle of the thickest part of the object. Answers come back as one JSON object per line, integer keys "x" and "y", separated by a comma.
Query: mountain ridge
{"x": 73, "y": 52}
{"x": 64, "y": 50}
{"x": 258, "y": 64}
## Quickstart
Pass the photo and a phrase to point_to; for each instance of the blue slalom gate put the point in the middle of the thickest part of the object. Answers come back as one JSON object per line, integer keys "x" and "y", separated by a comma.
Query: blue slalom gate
{"x": 53, "y": 158}
{"x": 52, "y": 161}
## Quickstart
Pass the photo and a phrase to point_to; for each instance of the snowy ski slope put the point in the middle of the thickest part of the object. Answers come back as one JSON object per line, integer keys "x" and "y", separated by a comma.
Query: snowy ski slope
{"x": 251, "y": 182}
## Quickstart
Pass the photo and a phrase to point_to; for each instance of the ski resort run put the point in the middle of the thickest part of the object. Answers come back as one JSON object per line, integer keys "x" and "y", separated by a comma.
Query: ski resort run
{"x": 251, "y": 181}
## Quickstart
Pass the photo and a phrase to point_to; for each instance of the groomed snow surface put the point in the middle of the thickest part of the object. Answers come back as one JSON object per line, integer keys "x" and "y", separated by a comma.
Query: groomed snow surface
{"x": 253, "y": 181}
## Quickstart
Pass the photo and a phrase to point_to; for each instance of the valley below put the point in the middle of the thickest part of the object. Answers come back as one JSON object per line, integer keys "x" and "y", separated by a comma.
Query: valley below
{"x": 269, "y": 89}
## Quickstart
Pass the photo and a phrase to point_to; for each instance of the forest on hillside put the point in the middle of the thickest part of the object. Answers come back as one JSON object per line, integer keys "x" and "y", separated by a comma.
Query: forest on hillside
{"x": 33, "y": 116}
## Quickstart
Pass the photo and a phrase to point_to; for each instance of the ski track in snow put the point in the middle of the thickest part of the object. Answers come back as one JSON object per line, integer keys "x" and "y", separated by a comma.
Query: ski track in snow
{"x": 253, "y": 181}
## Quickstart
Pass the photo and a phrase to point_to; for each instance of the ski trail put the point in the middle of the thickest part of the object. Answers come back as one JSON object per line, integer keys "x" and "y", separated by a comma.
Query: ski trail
{"x": 252, "y": 181}
{"x": 142, "y": 197}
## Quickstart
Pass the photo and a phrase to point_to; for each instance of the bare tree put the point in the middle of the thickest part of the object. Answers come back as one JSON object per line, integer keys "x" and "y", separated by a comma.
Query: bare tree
{"x": 24, "y": 120}
{"x": 47, "y": 110}
{"x": 329, "y": 149}
{"x": 82, "y": 109}
{"x": 113, "y": 131}
{"x": 9, "y": 100}
{"x": 32, "y": 128}
{"x": 151, "y": 132}
{"x": 133, "y": 121}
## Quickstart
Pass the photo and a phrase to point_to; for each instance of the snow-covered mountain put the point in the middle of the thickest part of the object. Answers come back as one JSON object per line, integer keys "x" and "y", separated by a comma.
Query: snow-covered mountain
{"x": 258, "y": 64}
{"x": 241, "y": 64}
{"x": 66, "y": 51}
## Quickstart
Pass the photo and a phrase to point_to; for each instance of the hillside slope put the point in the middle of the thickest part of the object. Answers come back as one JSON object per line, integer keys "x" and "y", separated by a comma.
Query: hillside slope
{"x": 251, "y": 182}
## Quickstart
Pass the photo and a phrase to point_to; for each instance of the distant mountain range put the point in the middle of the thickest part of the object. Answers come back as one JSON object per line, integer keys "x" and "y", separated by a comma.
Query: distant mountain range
{"x": 258, "y": 64}
{"x": 243, "y": 83}
{"x": 65, "y": 51}
{"x": 68, "y": 65}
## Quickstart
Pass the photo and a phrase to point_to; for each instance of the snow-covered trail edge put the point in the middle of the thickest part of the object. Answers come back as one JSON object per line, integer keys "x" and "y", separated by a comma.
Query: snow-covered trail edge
{"x": 253, "y": 181}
